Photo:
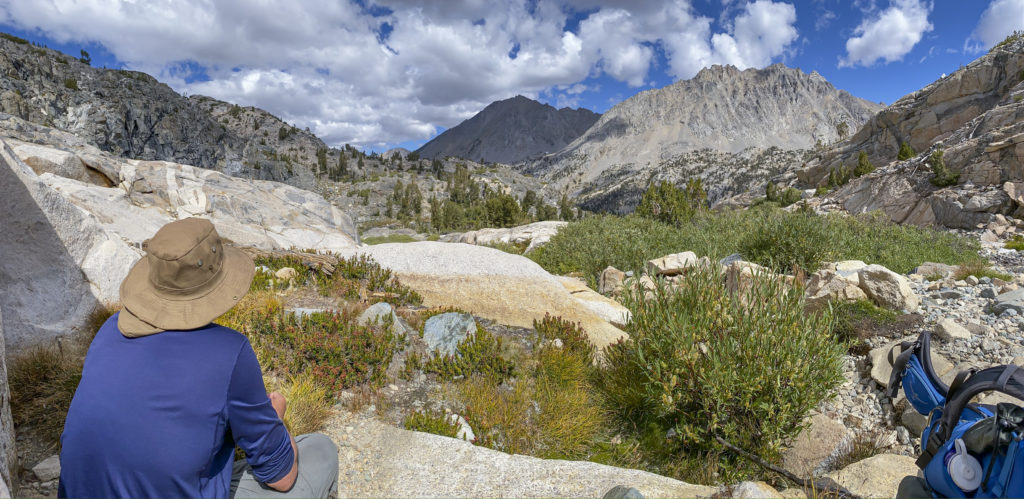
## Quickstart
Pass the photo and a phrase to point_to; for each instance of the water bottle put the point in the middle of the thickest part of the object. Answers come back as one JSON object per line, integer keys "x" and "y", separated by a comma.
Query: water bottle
{"x": 962, "y": 467}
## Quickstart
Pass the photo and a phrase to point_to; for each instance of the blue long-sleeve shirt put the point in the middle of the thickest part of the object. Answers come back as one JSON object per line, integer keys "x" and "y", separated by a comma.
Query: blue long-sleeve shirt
{"x": 159, "y": 416}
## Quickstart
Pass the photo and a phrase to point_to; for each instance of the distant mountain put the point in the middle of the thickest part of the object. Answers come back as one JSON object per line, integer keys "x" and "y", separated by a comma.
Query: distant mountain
{"x": 511, "y": 130}
{"x": 721, "y": 110}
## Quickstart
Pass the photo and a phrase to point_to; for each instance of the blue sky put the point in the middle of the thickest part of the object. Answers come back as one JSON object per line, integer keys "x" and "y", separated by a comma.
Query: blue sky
{"x": 385, "y": 73}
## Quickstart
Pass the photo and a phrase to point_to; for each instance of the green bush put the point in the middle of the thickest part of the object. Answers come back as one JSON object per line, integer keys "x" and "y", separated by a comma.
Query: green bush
{"x": 703, "y": 361}
{"x": 1015, "y": 243}
{"x": 434, "y": 422}
{"x": 480, "y": 353}
{"x": 783, "y": 197}
{"x": 786, "y": 240}
{"x": 591, "y": 244}
{"x": 669, "y": 204}
{"x": 71, "y": 83}
{"x": 906, "y": 152}
{"x": 864, "y": 166}
{"x": 943, "y": 177}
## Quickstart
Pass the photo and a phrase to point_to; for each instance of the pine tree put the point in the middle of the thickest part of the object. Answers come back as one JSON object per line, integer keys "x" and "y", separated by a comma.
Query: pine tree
{"x": 906, "y": 152}
{"x": 864, "y": 166}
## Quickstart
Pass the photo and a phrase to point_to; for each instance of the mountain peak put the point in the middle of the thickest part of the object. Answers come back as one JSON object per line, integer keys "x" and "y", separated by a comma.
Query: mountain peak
{"x": 511, "y": 130}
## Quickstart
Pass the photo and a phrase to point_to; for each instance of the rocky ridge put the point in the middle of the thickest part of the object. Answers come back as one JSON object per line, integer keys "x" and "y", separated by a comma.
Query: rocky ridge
{"x": 509, "y": 131}
{"x": 721, "y": 109}
{"x": 132, "y": 115}
{"x": 974, "y": 116}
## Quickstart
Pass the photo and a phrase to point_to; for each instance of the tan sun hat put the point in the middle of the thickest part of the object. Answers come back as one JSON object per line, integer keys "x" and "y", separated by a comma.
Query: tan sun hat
{"x": 187, "y": 278}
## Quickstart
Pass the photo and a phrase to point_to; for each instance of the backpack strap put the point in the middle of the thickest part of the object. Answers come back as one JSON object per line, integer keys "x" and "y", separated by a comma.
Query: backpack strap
{"x": 922, "y": 349}
{"x": 1007, "y": 379}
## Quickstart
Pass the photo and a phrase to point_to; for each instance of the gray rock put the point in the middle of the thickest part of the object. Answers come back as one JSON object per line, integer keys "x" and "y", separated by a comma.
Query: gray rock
{"x": 754, "y": 490}
{"x": 380, "y": 460}
{"x": 876, "y": 476}
{"x": 622, "y": 492}
{"x": 988, "y": 292}
{"x": 48, "y": 469}
{"x": 928, "y": 269}
{"x": 815, "y": 446}
{"x": 949, "y": 330}
{"x": 735, "y": 257}
{"x": 444, "y": 332}
{"x": 913, "y": 421}
{"x": 381, "y": 313}
{"x": 1012, "y": 300}
{"x": 305, "y": 312}
{"x": 611, "y": 281}
{"x": 888, "y": 289}
{"x": 8, "y": 456}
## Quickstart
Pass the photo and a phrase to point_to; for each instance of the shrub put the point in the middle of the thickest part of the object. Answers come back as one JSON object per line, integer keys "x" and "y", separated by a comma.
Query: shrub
{"x": 864, "y": 166}
{"x": 480, "y": 353}
{"x": 71, "y": 83}
{"x": 434, "y": 422}
{"x": 783, "y": 197}
{"x": 327, "y": 345}
{"x": 851, "y": 318}
{"x": 1015, "y": 243}
{"x": 590, "y": 245}
{"x": 348, "y": 278}
{"x": 783, "y": 241}
{"x": 15, "y": 39}
{"x": 513, "y": 248}
{"x": 943, "y": 177}
{"x": 979, "y": 268}
{"x": 906, "y": 152}
{"x": 669, "y": 204}
{"x": 703, "y": 362}
{"x": 839, "y": 176}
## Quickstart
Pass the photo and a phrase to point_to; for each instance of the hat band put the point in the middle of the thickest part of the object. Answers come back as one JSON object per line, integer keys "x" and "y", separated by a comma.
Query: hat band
{"x": 197, "y": 291}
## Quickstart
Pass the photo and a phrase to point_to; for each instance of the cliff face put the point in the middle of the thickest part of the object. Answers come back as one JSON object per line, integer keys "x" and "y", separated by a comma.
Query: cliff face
{"x": 721, "y": 110}
{"x": 132, "y": 115}
{"x": 510, "y": 131}
{"x": 975, "y": 116}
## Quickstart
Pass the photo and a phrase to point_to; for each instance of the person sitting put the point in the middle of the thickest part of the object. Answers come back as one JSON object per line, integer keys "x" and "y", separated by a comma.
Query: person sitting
{"x": 166, "y": 395}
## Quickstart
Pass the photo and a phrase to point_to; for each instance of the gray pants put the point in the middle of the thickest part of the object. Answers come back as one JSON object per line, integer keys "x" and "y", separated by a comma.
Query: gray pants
{"x": 318, "y": 472}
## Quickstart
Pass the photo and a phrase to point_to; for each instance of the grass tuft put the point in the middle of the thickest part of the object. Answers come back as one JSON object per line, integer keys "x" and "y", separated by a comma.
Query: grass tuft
{"x": 979, "y": 268}
{"x": 309, "y": 403}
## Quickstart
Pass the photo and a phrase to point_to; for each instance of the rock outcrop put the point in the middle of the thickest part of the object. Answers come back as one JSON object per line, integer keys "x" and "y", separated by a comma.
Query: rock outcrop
{"x": 511, "y": 130}
{"x": 8, "y": 453}
{"x": 71, "y": 242}
{"x": 532, "y": 235}
{"x": 975, "y": 116}
{"x": 377, "y": 460}
{"x": 487, "y": 282}
{"x": 705, "y": 127}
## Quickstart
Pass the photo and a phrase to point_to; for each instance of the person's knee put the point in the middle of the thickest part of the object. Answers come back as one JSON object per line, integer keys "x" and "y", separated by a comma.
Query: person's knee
{"x": 318, "y": 446}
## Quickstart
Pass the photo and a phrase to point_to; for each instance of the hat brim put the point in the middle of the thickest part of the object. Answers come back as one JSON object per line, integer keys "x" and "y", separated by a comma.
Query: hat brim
{"x": 152, "y": 311}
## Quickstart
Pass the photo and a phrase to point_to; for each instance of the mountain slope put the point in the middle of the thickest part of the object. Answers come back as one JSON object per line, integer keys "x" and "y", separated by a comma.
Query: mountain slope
{"x": 721, "y": 110}
{"x": 132, "y": 115}
{"x": 974, "y": 116}
{"x": 511, "y": 130}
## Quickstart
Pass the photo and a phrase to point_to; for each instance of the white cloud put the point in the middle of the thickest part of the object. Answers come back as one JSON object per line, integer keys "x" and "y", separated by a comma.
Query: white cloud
{"x": 888, "y": 36}
{"x": 323, "y": 64}
{"x": 1001, "y": 18}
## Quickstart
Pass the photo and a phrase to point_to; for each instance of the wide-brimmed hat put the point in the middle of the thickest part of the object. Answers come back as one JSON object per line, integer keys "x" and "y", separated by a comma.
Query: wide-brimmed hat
{"x": 187, "y": 278}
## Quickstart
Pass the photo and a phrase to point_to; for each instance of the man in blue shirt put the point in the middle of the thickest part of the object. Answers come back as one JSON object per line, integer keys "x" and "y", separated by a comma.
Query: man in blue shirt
{"x": 166, "y": 395}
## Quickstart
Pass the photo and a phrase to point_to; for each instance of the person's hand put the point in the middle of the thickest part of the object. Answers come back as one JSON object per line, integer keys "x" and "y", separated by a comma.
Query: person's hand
{"x": 280, "y": 404}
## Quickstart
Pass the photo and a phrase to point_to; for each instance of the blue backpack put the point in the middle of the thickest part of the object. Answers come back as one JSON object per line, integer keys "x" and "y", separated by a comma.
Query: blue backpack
{"x": 967, "y": 449}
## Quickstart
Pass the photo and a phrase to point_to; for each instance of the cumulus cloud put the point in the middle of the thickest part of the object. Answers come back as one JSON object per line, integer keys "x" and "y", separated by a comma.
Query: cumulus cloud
{"x": 1001, "y": 18}
{"x": 373, "y": 74}
{"x": 889, "y": 35}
